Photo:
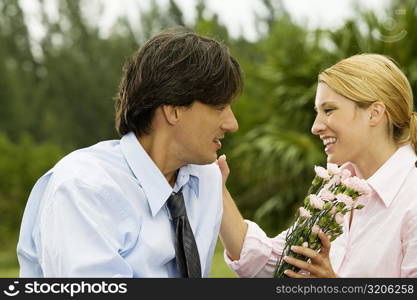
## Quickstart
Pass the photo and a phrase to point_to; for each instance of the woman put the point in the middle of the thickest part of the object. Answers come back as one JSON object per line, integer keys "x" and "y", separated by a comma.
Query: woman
{"x": 365, "y": 119}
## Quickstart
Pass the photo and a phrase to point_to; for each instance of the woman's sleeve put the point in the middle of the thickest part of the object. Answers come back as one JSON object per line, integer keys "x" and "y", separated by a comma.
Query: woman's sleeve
{"x": 259, "y": 254}
{"x": 409, "y": 247}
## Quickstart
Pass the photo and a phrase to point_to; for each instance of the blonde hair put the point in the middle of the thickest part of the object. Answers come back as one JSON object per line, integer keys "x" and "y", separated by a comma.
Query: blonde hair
{"x": 366, "y": 78}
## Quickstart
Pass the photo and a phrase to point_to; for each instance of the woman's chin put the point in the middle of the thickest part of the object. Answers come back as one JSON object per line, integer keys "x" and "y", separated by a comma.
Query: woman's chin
{"x": 334, "y": 160}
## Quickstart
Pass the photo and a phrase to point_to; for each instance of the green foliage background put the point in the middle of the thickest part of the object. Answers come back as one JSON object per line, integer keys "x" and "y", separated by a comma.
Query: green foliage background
{"x": 56, "y": 95}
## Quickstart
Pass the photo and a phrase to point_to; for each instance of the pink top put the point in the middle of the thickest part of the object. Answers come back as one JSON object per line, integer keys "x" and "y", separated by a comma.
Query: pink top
{"x": 382, "y": 240}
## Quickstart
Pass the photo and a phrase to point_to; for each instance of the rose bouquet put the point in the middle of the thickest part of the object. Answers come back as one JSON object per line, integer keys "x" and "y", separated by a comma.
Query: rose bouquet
{"x": 332, "y": 195}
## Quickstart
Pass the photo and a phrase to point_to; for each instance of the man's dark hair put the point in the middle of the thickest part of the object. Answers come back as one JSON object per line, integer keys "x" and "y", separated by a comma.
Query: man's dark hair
{"x": 174, "y": 68}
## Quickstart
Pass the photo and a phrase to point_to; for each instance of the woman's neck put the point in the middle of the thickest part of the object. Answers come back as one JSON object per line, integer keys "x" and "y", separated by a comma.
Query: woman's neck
{"x": 374, "y": 157}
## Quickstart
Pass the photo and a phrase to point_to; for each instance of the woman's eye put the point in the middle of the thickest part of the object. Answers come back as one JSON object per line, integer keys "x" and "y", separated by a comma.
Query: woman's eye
{"x": 328, "y": 110}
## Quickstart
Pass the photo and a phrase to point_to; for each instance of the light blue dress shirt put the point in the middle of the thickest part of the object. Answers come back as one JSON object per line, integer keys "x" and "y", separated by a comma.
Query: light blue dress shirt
{"x": 100, "y": 212}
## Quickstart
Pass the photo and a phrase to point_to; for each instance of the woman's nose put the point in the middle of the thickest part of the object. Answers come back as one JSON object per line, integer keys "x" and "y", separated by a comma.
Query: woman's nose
{"x": 318, "y": 126}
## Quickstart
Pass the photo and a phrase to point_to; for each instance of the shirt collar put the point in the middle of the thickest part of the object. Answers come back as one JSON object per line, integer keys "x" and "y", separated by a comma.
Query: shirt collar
{"x": 188, "y": 174}
{"x": 153, "y": 182}
{"x": 387, "y": 180}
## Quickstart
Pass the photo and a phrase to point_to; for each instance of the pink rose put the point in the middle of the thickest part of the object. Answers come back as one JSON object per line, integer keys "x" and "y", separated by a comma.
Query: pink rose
{"x": 326, "y": 195}
{"x": 322, "y": 172}
{"x": 351, "y": 182}
{"x": 315, "y": 229}
{"x": 316, "y": 202}
{"x": 359, "y": 185}
{"x": 339, "y": 218}
{"x": 346, "y": 174}
{"x": 304, "y": 213}
{"x": 345, "y": 199}
{"x": 363, "y": 187}
{"x": 333, "y": 169}
{"x": 335, "y": 180}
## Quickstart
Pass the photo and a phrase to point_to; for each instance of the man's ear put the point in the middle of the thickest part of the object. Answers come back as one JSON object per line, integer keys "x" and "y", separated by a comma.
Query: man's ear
{"x": 171, "y": 113}
{"x": 376, "y": 112}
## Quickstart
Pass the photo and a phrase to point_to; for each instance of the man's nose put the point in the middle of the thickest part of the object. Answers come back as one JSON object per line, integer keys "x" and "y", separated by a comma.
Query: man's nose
{"x": 230, "y": 124}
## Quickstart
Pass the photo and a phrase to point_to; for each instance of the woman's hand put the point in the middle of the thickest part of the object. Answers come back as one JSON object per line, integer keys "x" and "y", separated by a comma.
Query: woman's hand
{"x": 233, "y": 228}
{"x": 224, "y": 168}
{"x": 319, "y": 265}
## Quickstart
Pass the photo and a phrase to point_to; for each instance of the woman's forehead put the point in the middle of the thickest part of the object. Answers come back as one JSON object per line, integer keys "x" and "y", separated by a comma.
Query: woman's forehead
{"x": 325, "y": 96}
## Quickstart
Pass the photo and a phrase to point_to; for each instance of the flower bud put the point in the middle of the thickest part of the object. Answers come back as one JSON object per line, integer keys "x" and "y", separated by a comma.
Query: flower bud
{"x": 327, "y": 205}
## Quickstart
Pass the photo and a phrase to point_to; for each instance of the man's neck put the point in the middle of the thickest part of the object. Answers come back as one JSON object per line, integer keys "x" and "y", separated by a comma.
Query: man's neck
{"x": 158, "y": 148}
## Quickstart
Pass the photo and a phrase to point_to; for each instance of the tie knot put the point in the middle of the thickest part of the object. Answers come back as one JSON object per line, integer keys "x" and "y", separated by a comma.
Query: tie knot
{"x": 176, "y": 205}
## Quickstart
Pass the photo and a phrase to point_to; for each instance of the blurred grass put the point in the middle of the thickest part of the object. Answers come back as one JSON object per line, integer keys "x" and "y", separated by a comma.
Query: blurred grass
{"x": 9, "y": 266}
{"x": 219, "y": 268}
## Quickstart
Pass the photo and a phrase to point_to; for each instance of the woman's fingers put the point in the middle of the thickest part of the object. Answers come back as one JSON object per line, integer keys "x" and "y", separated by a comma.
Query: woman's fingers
{"x": 298, "y": 263}
{"x": 293, "y": 274}
{"x": 307, "y": 252}
{"x": 325, "y": 243}
{"x": 319, "y": 264}
{"x": 224, "y": 168}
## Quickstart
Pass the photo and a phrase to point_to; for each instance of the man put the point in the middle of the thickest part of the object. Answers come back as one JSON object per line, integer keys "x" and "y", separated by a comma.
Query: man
{"x": 150, "y": 204}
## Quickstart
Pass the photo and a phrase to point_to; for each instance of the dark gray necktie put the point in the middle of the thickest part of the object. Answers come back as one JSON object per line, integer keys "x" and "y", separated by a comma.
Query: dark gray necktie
{"x": 186, "y": 252}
